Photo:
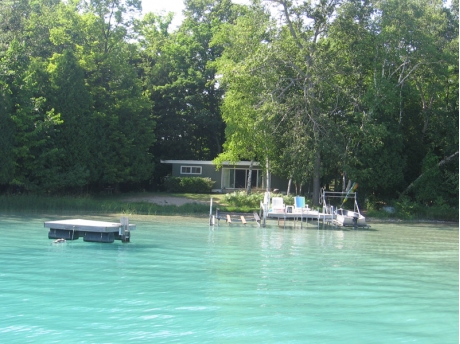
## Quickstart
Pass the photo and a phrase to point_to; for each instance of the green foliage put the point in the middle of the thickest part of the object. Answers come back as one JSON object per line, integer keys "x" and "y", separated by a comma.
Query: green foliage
{"x": 78, "y": 115}
{"x": 70, "y": 97}
{"x": 353, "y": 89}
{"x": 243, "y": 64}
{"x": 409, "y": 210}
{"x": 406, "y": 210}
{"x": 6, "y": 138}
{"x": 429, "y": 191}
{"x": 240, "y": 199}
{"x": 32, "y": 121}
{"x": 188, "y": 184}
{"x": 180, "y": 77}
{"x": 328, "y": 92}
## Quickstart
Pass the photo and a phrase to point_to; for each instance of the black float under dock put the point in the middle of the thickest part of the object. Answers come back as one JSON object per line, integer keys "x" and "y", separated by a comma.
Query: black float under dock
{"x": 92, "y": 231}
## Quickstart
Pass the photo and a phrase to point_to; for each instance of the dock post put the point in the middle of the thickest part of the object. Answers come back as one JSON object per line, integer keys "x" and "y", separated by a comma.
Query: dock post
{"x": 210, "y": 214}
{"x": 264, "y": 208}
{"x": 124, "y": 229}
{"x": 301, "y": 218}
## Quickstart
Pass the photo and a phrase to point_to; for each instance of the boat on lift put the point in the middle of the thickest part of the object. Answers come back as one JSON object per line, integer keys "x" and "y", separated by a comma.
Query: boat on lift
{"x": 343, "y": 217}
{"x": 348, "y": 218}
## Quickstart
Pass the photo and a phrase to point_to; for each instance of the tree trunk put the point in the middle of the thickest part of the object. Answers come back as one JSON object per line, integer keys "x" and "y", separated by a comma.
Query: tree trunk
{"x": 289, "y": 186}
{"x": 344, "y": 182}
{"x": 268, "y": 181}
{"x": 442, "y": 162}
{"x": 317, "y": 179}
{"x": 248, "y": 186}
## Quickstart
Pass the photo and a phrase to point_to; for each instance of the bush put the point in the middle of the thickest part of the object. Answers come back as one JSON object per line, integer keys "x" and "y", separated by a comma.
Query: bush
{"x": 408, "y": 209}
{"x": 188, "y": 184}
{"x": 240, "y": 199}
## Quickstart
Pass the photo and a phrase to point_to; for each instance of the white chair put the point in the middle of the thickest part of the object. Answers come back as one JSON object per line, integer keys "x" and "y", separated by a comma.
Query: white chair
{"x": 278, "y": 205}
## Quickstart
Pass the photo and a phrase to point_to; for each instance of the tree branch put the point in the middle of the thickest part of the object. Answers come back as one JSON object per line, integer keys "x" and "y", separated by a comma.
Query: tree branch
{"x": 442, "y": 162}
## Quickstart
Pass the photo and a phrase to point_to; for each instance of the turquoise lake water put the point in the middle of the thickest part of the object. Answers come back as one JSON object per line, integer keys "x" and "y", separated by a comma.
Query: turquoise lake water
{"x": 179, "y": 281}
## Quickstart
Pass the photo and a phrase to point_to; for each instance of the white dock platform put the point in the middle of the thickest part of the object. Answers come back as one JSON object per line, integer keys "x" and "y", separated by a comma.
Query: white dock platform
{"x": 301, "y": 216}
{"x": 96, "y": 231}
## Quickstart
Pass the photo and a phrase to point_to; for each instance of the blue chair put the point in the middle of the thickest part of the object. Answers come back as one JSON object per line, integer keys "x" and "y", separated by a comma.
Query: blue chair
{"x": 299, "y": 202}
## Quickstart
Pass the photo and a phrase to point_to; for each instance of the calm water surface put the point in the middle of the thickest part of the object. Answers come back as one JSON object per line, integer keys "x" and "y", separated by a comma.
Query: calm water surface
{"x": 179, "y": 281}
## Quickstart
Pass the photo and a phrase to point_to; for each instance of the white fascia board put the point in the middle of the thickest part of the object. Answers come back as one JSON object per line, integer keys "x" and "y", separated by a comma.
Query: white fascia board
{"x": 200, "y": 162}
{"x": 187, "y": 162}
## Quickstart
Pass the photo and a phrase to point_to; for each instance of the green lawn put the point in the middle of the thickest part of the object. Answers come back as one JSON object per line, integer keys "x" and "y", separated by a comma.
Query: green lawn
{"x": 107, "y": 204}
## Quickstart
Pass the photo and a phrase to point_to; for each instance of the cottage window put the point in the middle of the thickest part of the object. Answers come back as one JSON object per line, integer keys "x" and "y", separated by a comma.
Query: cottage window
{"x": 234, "y": 178}
{"x": 190, "y": 169}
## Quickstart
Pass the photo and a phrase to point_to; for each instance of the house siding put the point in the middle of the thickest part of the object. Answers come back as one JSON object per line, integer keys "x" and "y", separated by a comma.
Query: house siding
{"x": 208, "y": 170}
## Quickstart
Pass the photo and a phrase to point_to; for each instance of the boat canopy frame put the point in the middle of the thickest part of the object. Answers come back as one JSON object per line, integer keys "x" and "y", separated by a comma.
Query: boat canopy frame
{"x": 327, "y": 195}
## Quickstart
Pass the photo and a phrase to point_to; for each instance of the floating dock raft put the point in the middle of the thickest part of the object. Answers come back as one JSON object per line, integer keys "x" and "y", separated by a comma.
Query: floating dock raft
{"x": 93, "y": 231}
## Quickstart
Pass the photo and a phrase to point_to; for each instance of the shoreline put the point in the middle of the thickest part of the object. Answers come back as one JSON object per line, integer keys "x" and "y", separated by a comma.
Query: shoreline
{"x": 153, "y": 205}
{"x": 96, "y": 214}
{"x": 178, "y": 201}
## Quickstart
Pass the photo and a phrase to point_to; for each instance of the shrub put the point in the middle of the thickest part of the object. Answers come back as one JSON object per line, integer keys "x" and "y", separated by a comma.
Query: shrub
{"x": 189, "y": 184}
{"x": 241, "y": 199}
{"x": 406, "y": 208}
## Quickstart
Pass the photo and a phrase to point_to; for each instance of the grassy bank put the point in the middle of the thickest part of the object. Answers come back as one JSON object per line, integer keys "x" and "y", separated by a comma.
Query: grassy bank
{"x": 135, "y": 204}
{"x": 93, "y": 205}
{"x": 418, "y": 214}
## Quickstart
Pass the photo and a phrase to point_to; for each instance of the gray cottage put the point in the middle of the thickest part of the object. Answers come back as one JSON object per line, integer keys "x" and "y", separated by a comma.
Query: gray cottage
{"x": 229, "y": 178}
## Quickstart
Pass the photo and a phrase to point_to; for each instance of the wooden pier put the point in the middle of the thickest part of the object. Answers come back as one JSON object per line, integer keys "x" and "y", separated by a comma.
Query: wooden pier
{"x": 92, "y": 231}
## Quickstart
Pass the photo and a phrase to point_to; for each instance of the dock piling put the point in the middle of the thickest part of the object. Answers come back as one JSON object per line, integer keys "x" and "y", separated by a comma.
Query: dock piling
{"x": 124, "y": 229}
{"x": 210, "y": 214}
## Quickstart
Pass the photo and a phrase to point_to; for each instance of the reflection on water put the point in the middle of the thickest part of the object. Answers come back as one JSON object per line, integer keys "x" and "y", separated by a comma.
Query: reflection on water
{"x": 180, "y": 280}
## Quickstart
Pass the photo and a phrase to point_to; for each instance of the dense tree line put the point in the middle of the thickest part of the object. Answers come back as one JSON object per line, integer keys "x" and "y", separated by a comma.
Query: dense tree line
{"x": 323, "y": 92}
{"x": 339, "y": 91}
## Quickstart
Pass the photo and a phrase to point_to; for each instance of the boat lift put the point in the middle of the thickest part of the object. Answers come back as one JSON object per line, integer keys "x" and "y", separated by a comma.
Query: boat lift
{"x": 325, "y": 196}
{"x": 343, "y": 217}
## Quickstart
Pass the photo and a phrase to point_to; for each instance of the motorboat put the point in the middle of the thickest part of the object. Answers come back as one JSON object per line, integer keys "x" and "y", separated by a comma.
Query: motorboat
{"x": 343, "y": 217}
{"x": 348, "y": 218}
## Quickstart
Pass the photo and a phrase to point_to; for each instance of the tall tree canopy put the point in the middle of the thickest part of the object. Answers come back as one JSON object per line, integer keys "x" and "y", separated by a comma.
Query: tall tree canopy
{"x": 320, "y": 92}
{"x": 354, "y": 90}
{"x": 77, "y": 111}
